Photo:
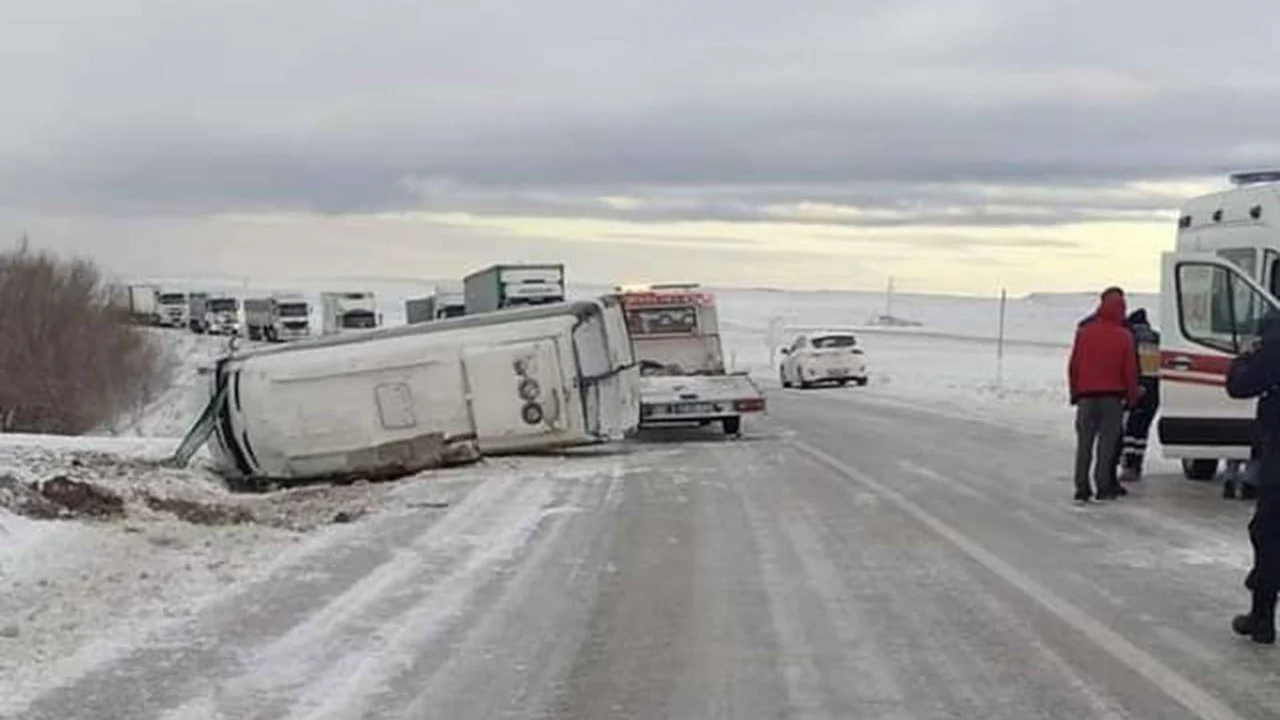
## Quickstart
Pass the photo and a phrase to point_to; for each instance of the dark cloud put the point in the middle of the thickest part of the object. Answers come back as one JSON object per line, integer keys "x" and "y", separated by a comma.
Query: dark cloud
{"x": 923, "y": 112}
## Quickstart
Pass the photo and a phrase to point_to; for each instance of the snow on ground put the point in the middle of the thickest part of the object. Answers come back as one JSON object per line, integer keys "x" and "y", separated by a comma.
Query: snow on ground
{"x": 171, "y": 414}
{"x": 81, "y": 594}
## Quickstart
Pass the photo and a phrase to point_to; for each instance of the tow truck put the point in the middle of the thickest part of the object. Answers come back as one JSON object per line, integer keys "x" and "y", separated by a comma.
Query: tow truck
{"x": 675, "y": 331}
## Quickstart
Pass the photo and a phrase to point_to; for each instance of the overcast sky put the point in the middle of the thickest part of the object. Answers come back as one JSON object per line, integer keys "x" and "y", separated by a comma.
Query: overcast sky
{"x": 959, "y": 145}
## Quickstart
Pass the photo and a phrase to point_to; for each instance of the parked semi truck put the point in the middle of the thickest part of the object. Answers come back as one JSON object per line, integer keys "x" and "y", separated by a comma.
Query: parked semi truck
{"x": 278, "y": 318}
{"x": 394, "y": 401}
{"x": 505, "y": 286}
{"x": 213, "y": 315}
{"x": 174, "y": 309}
{"x": 437, "y": 306}
{"x": 140, "y": 301}
{"x": 347, "y": 311}
{"x": 676, "y": 333}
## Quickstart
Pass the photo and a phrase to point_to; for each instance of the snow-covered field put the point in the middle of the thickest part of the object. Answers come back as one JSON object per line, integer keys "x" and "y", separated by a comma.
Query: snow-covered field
{"x": 85, "y": 590}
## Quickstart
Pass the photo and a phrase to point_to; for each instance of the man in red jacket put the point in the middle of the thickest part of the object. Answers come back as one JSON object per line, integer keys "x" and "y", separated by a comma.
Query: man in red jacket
{"x": 1103, "y": 380}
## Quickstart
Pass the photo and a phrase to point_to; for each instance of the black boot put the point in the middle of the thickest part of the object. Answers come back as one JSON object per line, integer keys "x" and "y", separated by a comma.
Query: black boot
{"x": 1260, "y": 623}
{"x": 1229, "y": 490}
{"x": 1248, "y": 492}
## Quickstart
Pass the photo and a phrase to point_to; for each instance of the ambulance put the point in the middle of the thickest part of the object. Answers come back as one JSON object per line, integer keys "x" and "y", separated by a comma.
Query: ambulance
{"x": 1221, "y": 279}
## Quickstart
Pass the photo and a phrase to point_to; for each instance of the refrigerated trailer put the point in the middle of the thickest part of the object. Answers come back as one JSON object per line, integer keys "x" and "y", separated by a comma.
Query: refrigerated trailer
{"x": 397, "y": 400}
{"x": 140, "y": 301}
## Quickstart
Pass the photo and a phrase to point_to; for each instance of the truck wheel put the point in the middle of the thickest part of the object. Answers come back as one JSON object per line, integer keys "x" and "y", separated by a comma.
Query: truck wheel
{"x": 1199, "y": 470}
{"x": 862, "y": 382}
{"x": 732, "y": 425}
{"x": 271, "y": 335}
{"x": 253, "y": 333}
{"x": 782, "y": 378}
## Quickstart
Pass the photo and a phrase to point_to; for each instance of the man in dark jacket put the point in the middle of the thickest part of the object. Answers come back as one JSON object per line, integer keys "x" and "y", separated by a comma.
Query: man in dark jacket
{"x": 1102, "y": 376}
{"x": 1138, "y": 420}
{"x": 1256, "y": 373}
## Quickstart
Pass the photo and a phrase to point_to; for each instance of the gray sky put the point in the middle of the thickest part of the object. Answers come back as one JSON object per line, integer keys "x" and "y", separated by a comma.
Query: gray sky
{"x": 958, "y": 144}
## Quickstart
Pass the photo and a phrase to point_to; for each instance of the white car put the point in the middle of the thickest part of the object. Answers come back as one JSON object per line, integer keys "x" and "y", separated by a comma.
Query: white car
{"x": 825, "y": 357}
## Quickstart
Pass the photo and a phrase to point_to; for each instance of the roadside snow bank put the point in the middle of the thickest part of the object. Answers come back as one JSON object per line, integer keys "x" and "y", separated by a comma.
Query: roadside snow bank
{"x": 173, "y": 412}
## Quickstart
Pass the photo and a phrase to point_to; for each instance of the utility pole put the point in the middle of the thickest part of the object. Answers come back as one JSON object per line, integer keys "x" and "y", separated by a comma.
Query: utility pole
{"x": 1000, "y": 341}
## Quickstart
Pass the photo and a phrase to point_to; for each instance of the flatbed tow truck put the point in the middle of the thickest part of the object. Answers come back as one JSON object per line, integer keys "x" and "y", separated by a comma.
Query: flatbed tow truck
{"x": 683, "y": 380}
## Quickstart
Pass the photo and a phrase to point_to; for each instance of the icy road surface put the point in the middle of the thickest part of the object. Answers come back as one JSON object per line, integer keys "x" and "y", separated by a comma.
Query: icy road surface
{"x": 852, "y": 558}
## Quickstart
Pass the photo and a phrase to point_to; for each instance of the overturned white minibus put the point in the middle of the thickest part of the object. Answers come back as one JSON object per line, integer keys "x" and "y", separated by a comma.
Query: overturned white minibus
{"x": 398, "y": 400}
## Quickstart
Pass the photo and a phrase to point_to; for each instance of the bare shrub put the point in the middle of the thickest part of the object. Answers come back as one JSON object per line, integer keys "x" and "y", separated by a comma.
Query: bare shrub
{"x": 69, "y": 361}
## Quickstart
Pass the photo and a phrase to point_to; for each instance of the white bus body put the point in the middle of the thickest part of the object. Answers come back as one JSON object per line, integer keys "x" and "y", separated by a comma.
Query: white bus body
{"x": 1215, "y": 287}
{"x": 398, "y": 400}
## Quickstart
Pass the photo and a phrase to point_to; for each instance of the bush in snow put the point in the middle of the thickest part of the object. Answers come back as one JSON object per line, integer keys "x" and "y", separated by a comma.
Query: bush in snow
{"x": 69, "y": 362}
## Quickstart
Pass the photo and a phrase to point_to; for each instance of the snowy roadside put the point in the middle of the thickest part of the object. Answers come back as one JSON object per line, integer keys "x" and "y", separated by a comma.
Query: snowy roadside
{"x": 171, "y": 414}
{"x": 957, "y": 377}
{"x": 86, "y": 593}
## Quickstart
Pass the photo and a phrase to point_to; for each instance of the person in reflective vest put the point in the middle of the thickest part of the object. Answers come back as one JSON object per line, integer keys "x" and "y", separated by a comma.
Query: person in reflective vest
{"x": 1138, "y": 421}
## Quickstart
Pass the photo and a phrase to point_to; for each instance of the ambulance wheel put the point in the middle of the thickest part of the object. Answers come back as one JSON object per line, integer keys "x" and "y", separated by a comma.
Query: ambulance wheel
{"x": 732, "y": 425}
{"x": 1199, "y": 469}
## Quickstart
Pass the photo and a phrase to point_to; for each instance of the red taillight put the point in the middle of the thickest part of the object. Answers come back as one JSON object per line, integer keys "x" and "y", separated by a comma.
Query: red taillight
{"x": 751, "y": 405}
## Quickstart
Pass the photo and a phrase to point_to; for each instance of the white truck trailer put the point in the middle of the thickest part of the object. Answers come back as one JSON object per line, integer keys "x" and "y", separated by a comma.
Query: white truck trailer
{"x": 342, "y": 312}
{"x": 676, "y": 333}
{"x": 506, "y": 286}
{"x": 394, "y": 401}
{"x": 278, "y": 318}
{"x": 140, "y": 302}
{"x": 437, "y": 306}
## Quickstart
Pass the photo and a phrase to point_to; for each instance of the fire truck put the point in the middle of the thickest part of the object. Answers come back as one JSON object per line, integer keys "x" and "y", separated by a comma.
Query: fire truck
{"x": 676, "y": 335}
